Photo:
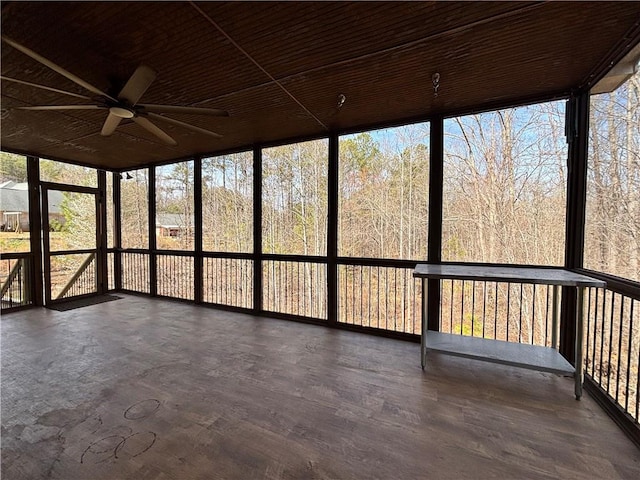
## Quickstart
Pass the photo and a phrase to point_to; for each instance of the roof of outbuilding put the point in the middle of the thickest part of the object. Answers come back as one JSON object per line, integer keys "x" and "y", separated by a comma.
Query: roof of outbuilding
{"x": 173, "y": 220}
{"x": 14, "y": 197}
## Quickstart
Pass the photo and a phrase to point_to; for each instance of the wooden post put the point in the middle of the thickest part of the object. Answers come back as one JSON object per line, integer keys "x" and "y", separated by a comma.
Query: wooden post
{"x": 101, "y": 234}
{"x": 197, "y": 220}
{"x": 35, "y": 228}
{"x": 434, "y": 253}
{"x": 257, "y": 230}
{"x": 117, "y": 230}
{"x": 153, "y": 260}
{"x": 332, "y": 231}
{"x": 577, "y": 130}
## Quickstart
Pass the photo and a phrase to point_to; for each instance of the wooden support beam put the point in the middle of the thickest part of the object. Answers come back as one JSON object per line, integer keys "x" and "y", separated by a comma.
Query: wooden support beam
{"x": 117, "y": 230}
{"x": 257, "y": 229}
{"x": 101, "y": 233}
{"x": 153, "y": 259}
{"x": 332, "y": 230}
{"x": 577, "y": 130}
{"x": 434, "y": 243}
{"x": 198, "y": 230}
{"x": 35, "y": 229}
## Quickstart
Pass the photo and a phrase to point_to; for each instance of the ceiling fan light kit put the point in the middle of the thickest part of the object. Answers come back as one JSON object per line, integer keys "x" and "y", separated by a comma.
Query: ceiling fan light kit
{"x": 122, "y": 112}
{"x": 124, "y": 106}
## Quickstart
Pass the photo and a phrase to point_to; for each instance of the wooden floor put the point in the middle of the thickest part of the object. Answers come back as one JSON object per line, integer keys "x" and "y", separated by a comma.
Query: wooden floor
{"x": 152, "y": 389}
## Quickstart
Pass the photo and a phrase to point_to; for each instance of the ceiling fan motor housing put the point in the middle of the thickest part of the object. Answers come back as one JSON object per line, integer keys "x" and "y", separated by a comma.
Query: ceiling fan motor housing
{"x": 122, "y": 111}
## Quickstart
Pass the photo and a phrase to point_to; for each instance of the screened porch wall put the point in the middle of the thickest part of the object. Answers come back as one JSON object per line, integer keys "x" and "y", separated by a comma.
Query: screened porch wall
{"x": 253, "y": 239}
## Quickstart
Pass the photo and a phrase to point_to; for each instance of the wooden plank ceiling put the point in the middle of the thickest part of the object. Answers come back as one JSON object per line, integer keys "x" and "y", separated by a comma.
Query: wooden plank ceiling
{"x": 278, "y": 68}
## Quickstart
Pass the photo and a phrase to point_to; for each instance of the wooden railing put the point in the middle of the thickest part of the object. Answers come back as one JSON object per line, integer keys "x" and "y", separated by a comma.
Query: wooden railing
{"x": 16, "y": 287}
{"x": 83, "y": 281}
{"x": 612, "y": 351}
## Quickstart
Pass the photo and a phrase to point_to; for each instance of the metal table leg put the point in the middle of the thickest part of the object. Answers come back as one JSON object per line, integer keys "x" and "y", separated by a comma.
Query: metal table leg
{"x": 579, "y": 341}
{"x": 555, "y": 314}
{"x": 423, "y": 337}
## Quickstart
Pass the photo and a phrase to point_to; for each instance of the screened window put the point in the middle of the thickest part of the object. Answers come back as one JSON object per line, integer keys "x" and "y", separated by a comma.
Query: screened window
{"x": 384, "y": 193}
{"x": 227, "y": 203}
{"x": 612, "y": 240}
{"x": 14, "y": 204}
{"x": 134, "y": 188}
{"x": 504, "y": 189}
{"x": 67, "y": 173}
{"x": 294, "y": 198}
{"x": 174, "y": 206}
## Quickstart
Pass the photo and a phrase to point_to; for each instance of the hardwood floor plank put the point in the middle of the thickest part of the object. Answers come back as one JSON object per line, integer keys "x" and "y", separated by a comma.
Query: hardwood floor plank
{"x": 141, "y": 388}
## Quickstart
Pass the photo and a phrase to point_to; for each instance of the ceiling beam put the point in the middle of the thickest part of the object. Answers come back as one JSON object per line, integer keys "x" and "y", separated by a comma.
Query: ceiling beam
{"x": 260, "y": 67}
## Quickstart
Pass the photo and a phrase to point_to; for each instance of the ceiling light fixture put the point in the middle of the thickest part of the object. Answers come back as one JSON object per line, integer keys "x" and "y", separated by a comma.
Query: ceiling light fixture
{"x": 122, "y": 112}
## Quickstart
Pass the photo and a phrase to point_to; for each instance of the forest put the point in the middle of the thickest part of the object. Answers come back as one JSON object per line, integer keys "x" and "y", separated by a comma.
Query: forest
{"x": 504, "y": 201}
{"x": 504, "y": 192}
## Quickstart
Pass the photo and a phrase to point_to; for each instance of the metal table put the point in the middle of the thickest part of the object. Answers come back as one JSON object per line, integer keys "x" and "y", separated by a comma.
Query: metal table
{"x": 520, "y": 355}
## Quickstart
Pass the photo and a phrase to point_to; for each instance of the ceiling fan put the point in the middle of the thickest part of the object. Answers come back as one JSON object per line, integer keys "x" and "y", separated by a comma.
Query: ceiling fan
{"x": 124, "y": 105}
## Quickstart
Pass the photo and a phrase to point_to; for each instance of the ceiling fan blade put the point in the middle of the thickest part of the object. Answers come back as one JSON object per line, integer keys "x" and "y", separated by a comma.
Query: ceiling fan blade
{"x": 44, "y": 87}
{"x": 151, "y": 127}
{"x": 61, "y": 107}
{"x": 110, "y": 124}
{"x": 56, "y": 68}
{"x": 183, "y": 124}
{"x": 137, "y": 84}
{"x": 214, "y": 112}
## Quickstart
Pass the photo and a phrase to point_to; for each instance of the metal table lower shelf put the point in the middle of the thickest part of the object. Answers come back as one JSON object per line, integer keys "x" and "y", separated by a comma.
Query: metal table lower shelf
{"x": 498, "y": 351}
{"x": 515, "y": 354}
